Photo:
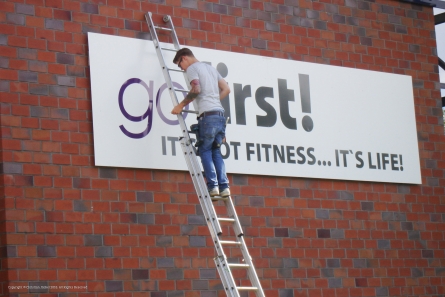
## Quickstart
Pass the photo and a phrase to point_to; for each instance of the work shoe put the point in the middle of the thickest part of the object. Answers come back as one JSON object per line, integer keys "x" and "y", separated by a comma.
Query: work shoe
{"x": 225, "y": 192}
{"x": 214, "y": 192}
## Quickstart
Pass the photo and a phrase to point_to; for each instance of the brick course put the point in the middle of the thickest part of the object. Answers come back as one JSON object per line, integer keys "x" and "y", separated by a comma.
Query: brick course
{"x": 110, "y": 232}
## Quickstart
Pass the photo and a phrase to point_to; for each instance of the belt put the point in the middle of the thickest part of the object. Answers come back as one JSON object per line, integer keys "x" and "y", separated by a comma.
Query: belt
{"x": 209, "y": 113}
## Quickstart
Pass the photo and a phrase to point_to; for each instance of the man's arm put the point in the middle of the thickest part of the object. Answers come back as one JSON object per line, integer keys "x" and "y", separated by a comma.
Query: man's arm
{"x": 194, "y": 92}
{"x": 224, "y": 89}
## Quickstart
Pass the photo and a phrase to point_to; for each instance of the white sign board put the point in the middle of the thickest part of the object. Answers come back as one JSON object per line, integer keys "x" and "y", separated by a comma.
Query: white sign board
{"x": 287, "y": 118}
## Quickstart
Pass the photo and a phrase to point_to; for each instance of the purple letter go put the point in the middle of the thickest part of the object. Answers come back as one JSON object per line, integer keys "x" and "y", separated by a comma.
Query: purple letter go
{"x": 148, "y": 113}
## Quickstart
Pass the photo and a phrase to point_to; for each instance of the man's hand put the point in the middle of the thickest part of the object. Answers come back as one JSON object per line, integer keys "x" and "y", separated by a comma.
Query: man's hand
{"x": 177, "y": 109}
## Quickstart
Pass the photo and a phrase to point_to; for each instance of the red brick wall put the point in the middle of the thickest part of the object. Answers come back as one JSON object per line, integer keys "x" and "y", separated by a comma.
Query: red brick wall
{"x": 126, "y": 232}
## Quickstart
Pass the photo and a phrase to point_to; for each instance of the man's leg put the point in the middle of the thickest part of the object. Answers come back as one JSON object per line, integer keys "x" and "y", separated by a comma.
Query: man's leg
{"x": 218, "y": 161}
{"x": 207, "y": 131}
{"x": 220, "y": 168}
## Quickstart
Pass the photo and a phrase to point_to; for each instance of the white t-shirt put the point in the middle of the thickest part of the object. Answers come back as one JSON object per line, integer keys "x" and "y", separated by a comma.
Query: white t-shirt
{"x": 208, "y": 99}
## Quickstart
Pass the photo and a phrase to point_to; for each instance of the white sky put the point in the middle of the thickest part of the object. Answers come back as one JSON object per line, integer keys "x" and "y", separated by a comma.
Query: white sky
{"x": 440, "y": 39}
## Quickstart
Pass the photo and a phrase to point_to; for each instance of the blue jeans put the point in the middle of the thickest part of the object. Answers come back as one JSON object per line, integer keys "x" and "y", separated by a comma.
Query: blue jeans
{"x": 212, "y": 130}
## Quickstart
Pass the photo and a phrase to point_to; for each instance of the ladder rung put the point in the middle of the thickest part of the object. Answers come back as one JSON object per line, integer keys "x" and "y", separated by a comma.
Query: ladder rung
{"x": 230, "y": 242}
{"x": 181, "y": 90}
{"x": 226, "y": 220}
{"x": 236, "y": 265}
{"x": 173, "y": 69}
{"x": 219, "y": 198}
{"x": 163, "y": 28}
{"x": 169, "y": 49}
{"x": 190, "y": 111}
{"x": 246, "y": 288}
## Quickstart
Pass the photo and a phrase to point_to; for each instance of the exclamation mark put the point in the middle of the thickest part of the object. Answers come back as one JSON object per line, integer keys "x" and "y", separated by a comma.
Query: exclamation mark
{"x": 305, "y": 96}
{"x": 401, "y": 163}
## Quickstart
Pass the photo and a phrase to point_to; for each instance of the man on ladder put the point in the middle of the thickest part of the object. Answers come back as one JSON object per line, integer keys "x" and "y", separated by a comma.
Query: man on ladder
{"x": 208, "y": 88}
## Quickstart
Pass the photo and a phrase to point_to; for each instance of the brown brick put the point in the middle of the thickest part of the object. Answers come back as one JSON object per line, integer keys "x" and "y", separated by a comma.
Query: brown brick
{"x": 62, "y": 15}
{"x": 361, "y": 282}
{"x": 324, "y": 233}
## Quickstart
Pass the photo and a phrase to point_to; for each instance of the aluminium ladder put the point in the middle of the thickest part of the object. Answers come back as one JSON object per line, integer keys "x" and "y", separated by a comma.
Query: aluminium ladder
{"x": 213, "y": 221}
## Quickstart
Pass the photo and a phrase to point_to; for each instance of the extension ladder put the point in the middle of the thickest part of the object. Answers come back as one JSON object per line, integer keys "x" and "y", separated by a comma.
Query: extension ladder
{"x": 213, "y": 221}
